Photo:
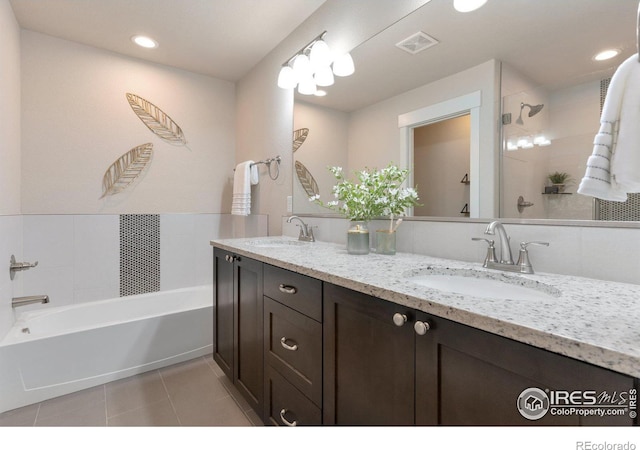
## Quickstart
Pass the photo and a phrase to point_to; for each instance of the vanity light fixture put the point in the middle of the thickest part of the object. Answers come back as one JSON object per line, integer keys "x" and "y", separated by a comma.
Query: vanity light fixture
{"x": 468, "y": 5}
{"x": 144, "y": 41}
{"x": 606, "y": 54}
{"x": 314, "y": 66}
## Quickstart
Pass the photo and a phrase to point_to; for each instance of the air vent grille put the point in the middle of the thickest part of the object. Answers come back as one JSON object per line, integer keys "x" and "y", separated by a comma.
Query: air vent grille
{"x": 417, "y": 42}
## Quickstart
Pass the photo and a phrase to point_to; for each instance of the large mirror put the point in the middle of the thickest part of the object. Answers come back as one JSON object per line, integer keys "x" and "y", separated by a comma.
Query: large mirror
{"x": 531, "y": 63}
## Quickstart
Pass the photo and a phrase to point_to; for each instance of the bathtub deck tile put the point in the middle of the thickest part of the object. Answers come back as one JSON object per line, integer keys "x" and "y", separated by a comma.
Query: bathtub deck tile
{"x": 155, "y": 414}
{"x": 134, "y": 392}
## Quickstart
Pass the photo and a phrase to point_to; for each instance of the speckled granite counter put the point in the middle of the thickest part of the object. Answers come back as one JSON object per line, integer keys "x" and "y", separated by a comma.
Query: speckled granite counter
{"x": 590, "y": 320}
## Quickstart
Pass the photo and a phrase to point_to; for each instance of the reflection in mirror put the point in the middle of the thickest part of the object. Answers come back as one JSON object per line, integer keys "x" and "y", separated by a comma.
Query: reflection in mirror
{"x": 544, "y": 51}
{"x": 441, "y": 161}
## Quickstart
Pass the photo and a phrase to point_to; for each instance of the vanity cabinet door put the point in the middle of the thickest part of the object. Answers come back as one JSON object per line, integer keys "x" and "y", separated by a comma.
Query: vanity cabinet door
{"x": 223, "y": 311}
{"x": 369, "y": 360}
{"x": 248, "y": 313}
{"x": 465, "y": 376}
{"x": 238, "y": 323}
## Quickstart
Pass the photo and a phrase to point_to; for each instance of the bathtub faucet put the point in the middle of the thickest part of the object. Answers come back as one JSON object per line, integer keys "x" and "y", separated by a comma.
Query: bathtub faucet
{"x": 28, "y": 300}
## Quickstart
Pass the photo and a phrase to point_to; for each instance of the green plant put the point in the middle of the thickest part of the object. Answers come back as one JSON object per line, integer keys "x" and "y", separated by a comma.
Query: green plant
{"x": 559, "y": 177}
{"x": 377, "y": 193}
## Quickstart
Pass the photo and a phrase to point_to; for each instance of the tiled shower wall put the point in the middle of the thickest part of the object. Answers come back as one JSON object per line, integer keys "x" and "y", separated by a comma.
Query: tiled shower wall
{"x": 79, "y": 255}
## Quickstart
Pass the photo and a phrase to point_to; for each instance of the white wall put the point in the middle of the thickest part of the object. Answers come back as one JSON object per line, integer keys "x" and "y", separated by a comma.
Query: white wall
{"x": 10, "y": 219}
{"x": 9, "y": 111}
{"x": 76, "y": 121}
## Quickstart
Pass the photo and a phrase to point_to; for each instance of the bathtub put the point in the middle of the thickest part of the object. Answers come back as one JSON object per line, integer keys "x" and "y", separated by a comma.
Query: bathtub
{"x": 55, "y": 351}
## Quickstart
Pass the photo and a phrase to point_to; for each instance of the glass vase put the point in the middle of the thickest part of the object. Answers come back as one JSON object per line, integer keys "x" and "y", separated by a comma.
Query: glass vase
{"x": 385, "y": 242}
{"x": 358, "y": 238}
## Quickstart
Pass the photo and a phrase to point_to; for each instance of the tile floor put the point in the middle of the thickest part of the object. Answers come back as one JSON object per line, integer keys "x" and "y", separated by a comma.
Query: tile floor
{"x": 193, "y": 393}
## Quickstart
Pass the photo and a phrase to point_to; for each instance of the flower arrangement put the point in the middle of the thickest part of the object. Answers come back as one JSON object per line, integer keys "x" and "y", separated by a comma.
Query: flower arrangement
{"x": 377, "y": 193}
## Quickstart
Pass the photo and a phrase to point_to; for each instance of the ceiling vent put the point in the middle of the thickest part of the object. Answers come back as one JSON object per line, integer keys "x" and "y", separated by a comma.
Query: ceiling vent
{"x": 417, "y": 42}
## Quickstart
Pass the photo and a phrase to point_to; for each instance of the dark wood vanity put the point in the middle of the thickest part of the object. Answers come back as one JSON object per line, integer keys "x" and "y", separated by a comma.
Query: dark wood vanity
{"x": 308, "y": 352}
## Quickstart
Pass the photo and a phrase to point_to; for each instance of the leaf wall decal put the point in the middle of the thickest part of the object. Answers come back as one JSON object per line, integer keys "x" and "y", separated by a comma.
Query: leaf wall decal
{"x": 126, "y": 169}
{"x": 306, "y": 180}
{"x": 298, "y": 137}
{"x": 156, "y": 120}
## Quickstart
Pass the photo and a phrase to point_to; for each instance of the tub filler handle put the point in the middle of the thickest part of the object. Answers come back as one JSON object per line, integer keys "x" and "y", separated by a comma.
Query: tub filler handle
{"x": 19, "y": 266}
{"x": 28, "y": 300}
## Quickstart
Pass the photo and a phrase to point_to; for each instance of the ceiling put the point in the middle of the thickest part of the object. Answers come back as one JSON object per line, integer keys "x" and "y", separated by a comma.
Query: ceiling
{"x": 550, "y": 41}
{"x": 221, "y": 38}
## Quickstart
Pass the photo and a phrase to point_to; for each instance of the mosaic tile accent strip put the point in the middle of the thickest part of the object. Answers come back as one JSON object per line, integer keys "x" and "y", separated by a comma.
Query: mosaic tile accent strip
{"x": 607, "y": 210}
{"x": 139, "y": 253}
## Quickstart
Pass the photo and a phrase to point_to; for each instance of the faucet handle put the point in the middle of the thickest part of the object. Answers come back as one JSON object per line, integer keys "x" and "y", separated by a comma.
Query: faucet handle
{"x": 523, "y": 257}
{"x": 491, "y": 250}
{"x": 524, "y": 245}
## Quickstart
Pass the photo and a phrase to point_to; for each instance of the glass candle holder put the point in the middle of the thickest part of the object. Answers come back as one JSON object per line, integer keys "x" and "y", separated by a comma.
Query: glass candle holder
{"x": 358, "y": 238}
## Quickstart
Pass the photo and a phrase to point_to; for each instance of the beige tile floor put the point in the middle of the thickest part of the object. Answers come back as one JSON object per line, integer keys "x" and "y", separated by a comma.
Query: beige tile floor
{"x": 193, "y": 393}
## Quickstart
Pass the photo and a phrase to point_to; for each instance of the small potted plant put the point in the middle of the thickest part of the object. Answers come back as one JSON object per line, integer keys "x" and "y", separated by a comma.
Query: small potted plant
{"x": 559, "y": 179}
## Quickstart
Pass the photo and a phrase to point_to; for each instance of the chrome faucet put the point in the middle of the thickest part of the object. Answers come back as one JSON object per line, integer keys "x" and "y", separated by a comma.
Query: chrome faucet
{"x": 505, "y": 245}
{"x": 506, "y": 261}
{"x": 306, "y": 231}
{"x": 19, "y": 266}
{"x": 28, "y": 300}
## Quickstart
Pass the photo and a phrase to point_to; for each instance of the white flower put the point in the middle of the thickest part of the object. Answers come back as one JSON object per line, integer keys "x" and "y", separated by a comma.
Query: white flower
{"x": 313, "y": 198}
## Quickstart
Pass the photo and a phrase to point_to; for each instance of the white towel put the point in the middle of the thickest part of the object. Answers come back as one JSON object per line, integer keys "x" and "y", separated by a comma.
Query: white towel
{"x": 241, "y": 202}
{"x": 613, "y": 169}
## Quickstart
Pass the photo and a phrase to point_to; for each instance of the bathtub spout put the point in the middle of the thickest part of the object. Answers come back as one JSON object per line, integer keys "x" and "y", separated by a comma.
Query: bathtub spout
{"x": 28, "y": 300}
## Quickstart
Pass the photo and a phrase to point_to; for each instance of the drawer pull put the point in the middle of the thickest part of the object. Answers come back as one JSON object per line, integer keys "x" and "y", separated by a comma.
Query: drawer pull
{"x": 287, "y": 289}
{"x": 285, "y": 421}
{"x": 399, "y": 319}
{"x": 283, "y": 342}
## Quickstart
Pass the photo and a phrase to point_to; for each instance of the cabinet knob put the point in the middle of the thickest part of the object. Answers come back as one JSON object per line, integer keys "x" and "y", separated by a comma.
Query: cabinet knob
{"x": 399, "y": 319}
{"x": 287, "y": 289}
{"x": 421, "y": 327}
{"x": 283, "y": 342}
{"x": 230, "y": 258}
{"x": 285, "y": 421}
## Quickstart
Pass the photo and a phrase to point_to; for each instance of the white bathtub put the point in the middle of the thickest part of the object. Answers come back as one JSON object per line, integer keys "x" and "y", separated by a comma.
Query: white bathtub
{"x": 70, "y": 348}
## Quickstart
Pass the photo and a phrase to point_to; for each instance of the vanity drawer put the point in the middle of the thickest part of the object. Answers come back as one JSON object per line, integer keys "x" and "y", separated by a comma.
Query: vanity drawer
{"x": 300, "y": 292}
{"x": 287, "y": 406}
{"x": 293, "y": 346}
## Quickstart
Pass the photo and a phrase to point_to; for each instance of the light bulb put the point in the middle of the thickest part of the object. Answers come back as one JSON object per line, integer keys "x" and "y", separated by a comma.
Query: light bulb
{"x": 324, "y": 76}
{"x": 343, "y": 65}
{"x": 606, "y": 54}
{"x": 320, "y": 56}
{"x": 468, "y": 5}
{"x": 307, "y": 86}
{"x": 287, "y": 78}
{"x": 302, "y": 67}
{"x": 144, "y": 41}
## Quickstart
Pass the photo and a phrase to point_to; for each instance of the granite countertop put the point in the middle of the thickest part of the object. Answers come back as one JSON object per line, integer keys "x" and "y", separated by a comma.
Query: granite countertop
{"x": 590, "y": 320}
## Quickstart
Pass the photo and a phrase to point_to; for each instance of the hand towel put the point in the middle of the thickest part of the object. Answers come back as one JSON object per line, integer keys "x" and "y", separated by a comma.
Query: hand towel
{"x": 255, "y": 178}
{"x": 241, "y": 202}
{"x": 613, "y": 169}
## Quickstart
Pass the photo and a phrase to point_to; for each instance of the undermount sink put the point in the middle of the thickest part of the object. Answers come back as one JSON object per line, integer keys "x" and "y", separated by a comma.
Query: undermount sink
{"x": 275, "y": 243}
{"x": 481, "y": 284}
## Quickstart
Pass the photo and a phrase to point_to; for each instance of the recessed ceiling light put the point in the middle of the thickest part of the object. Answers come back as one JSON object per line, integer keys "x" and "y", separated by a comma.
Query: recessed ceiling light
{"x": 468, "y": 5}
{"x": 320, "y": 93}
{"x": 607, "y": 54}
{"x": 144, "y": 41}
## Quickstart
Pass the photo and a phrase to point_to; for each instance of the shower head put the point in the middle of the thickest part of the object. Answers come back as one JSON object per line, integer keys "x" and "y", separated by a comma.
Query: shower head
{"x": 533, "y": 110}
